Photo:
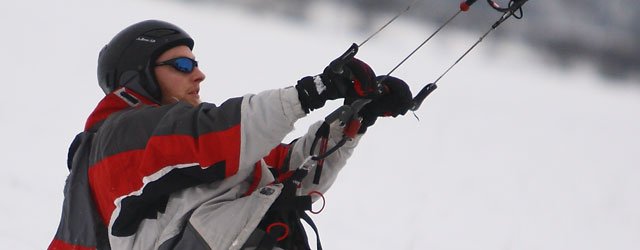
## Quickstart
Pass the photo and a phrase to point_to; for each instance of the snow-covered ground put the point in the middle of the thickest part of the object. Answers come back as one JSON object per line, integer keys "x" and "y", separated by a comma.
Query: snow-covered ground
{"x": 509, "y": 153}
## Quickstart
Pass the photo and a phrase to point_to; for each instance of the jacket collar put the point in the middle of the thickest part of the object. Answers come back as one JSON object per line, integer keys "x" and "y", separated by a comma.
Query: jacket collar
{"x": 115, "y": 101}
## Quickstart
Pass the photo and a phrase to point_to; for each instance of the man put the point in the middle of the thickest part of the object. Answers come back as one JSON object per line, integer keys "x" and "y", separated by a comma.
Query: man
{"x": 155, "y": 168}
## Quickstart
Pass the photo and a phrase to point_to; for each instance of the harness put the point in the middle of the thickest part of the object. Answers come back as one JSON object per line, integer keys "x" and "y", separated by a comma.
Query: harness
{"x": 282, "y": 224}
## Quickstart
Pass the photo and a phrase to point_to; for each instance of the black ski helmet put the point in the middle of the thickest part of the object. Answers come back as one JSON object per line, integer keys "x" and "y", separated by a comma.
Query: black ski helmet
{"x": 128, "y": 59}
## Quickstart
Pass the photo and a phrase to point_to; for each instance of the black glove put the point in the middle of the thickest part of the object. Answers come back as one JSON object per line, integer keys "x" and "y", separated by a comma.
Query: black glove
{"x": 357, "y": 80}
{"x": 396, "y": 100}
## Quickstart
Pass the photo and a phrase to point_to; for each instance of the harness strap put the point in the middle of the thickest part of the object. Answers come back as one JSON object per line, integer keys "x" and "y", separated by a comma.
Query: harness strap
{"x": 271, "y": 238}
{"x": 282, "y": 224}
{"x": 323, "y": 149}
{"x": 322, "y": 135}
{"x": 309, "y": 221}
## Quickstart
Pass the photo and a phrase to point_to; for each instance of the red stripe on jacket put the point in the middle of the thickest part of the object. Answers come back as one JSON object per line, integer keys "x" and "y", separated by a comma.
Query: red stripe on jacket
{"x": 121, "y": 174}
{"x": 277, "y": 156}
{"x": 57, "y": 244}
{"x": 275, "y": 159}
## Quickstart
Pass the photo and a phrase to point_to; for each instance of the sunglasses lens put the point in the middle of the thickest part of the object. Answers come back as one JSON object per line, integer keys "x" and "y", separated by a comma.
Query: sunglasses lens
{"x": 184, "y": 64}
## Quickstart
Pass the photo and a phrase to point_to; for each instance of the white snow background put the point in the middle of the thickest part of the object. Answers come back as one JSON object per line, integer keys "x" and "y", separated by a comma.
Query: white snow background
{"x": 511, "y": 151}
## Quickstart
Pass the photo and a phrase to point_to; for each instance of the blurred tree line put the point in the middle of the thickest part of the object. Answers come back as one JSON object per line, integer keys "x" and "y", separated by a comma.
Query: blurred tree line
{"x": 603, "y": 32}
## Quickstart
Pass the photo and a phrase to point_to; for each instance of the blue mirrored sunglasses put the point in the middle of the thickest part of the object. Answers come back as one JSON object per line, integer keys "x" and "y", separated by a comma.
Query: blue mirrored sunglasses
{"x": 182, "y": 64}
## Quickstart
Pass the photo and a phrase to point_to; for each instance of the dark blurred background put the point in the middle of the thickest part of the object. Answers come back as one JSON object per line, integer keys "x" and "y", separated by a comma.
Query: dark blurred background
{"x": 604, "y": 33}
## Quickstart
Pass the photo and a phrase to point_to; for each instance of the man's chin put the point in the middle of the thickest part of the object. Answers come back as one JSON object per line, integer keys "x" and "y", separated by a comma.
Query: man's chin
{"x": 194, "y": 102}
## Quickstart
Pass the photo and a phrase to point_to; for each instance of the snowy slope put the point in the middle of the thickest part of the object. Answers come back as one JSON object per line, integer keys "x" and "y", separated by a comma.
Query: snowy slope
{"x": 508, "y": 153}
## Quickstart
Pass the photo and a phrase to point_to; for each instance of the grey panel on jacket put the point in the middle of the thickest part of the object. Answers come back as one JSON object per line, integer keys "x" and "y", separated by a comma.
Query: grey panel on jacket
{"x": 189, "y": 239}
{"x": 131, "y": 129}
{"x": 80, "y": 224}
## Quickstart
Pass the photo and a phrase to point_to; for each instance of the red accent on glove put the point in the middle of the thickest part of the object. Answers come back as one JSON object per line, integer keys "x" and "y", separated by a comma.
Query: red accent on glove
{"x": 464, "y": 6}
{"x": 357, "y": 86}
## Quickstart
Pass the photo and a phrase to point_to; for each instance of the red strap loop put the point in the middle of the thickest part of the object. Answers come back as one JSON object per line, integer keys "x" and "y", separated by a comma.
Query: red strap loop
{"x": 324, "y": 202}
{"x": 279, "y": 224}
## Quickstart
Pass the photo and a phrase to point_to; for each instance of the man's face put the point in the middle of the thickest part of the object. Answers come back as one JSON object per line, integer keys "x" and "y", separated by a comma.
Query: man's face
{"x": 174, "y": 84}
